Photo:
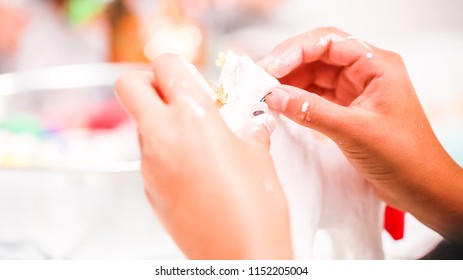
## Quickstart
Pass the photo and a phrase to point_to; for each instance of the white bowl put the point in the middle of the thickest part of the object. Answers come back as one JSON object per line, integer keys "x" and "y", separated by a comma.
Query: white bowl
{"x": 72, "y": 208}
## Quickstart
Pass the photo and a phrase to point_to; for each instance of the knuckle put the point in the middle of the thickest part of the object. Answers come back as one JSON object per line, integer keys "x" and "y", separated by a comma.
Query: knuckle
{"x": 394, "y": 65}
{"x": 149, "y": 153}
{"x": 394, "y": 57}
{"x": 330, "y": 30}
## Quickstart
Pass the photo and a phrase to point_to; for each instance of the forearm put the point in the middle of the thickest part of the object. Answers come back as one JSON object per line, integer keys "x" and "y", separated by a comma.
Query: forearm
{"x": 442, "y": 206}
{"x": 436, "y": 199}
{"x": 412, "y": 172}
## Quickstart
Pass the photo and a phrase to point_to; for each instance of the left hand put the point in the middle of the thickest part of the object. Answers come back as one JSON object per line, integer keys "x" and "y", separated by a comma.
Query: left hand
{"x": 217, "y": 195}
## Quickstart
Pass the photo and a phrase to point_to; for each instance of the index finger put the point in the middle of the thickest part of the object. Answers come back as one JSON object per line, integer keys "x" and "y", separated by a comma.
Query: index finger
{"x": 178, "y": 79}
{"x": 329, "y": 45}
{"x": 137, "y": 95}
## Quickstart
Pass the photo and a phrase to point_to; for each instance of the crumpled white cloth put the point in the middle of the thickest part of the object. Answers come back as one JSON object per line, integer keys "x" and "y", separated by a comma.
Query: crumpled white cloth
{"x": 323, "y": 191}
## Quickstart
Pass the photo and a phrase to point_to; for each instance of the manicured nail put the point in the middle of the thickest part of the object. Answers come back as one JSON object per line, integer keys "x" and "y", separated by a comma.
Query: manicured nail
{"x": 284, "y": 63}
{"x": 264, "y": 63}
{"x": 267, "y": 120}
{"x": 277, "y": 99}
{"x": 273, "y": 67}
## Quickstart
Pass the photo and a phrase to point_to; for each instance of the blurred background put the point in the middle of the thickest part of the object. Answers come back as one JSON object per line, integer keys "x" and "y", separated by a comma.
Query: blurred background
{"x": 69, "y": 186}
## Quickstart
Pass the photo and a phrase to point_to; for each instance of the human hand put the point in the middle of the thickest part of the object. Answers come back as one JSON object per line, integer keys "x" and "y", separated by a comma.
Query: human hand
{"x": 217, "y": 195}
{"x": 362, "y": 98}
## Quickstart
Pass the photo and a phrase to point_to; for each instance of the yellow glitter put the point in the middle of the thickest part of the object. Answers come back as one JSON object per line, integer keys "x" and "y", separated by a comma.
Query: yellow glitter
{"x": 220, "y": 61}
{"x": 220, "y": 94}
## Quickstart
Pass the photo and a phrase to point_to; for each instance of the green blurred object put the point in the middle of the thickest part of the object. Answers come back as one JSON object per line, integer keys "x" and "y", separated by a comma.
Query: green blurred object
{"x": 22, "y": 123}
{"x": 82, "y": 11}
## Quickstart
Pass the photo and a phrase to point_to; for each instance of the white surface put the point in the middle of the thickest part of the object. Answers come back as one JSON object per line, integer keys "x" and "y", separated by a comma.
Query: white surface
{"x": 78, "y": 216}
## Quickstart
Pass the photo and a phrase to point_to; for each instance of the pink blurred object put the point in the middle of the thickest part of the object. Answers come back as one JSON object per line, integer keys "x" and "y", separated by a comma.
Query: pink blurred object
{"x": 106, "y": 115}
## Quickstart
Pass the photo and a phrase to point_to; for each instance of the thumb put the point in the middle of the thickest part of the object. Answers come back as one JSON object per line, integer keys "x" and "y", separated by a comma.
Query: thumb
{"x": 258, "y": 130}
{"x": 309, "y": 109}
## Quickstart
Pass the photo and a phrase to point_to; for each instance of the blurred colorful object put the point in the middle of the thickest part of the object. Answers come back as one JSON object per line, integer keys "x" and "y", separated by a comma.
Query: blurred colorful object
{"x": 106, "y": 115}
{"x": 22, "y": 123}
{"x": 66, "y": 118}
{"x": 172, "y": 32}
{"x": 394, "y": 222}
{"x": 82, "y": 11}
{"x": 126, "y": 43}
{"x": 101, "y": 135}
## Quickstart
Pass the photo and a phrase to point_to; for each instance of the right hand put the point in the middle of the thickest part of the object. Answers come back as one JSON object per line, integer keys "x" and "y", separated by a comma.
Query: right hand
{"x": 362, "y": 98}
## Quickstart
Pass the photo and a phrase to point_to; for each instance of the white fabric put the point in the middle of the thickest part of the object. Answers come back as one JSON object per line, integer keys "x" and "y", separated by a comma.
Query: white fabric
{"x": 322, "y": 189}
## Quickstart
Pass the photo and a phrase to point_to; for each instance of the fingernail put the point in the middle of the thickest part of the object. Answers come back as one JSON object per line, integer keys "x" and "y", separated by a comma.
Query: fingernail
{"x": 284, "y": 63}
{"x": 273, "y": 67}
{"x": 264, "y": 63}
{"x": 266, "y": 120}
{"x": 277, "y": 99}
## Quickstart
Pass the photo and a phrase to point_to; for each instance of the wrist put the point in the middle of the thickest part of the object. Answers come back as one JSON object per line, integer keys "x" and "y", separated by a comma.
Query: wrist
{"x": 439, "y": 197}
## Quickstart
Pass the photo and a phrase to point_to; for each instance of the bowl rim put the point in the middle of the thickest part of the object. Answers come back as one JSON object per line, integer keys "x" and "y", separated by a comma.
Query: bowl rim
{"x": 73, "y": 76}
{"x": 65, "y": 77}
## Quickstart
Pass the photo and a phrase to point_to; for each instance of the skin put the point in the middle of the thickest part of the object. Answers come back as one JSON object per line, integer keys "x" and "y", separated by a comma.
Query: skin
{"x": 362, "y": 98}
{"x": 208, "y": 186}
{"x": 201, "y": 179}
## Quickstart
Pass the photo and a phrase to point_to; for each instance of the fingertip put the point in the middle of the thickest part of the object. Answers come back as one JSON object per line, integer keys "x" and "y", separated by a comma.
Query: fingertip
{"x": 135, "y": 92}
{"x": 283, "y": 59}
{"x": 124, "y": 85}
{"x": 278, "y": 67}
{"x": 265, "y": 120}
{"x": 122, "y": 81}
{"x": 265, "y": 62}
{"x": 277, "y": 99}
{"x": 259, "y": 129}
{"x": 177, "y": 77}
{"x": 259, "y": 135}
{"x": 162, "y": 59}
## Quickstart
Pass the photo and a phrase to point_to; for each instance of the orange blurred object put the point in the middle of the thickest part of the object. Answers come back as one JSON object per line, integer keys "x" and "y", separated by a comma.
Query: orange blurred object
{"x": 12, "y": 24}
{"x": 125, "y": 40}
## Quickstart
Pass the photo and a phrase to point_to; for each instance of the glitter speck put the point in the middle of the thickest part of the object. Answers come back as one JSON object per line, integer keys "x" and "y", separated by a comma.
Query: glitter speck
{"x": 305, "y": 107}
{"x": 369, "y": 55}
